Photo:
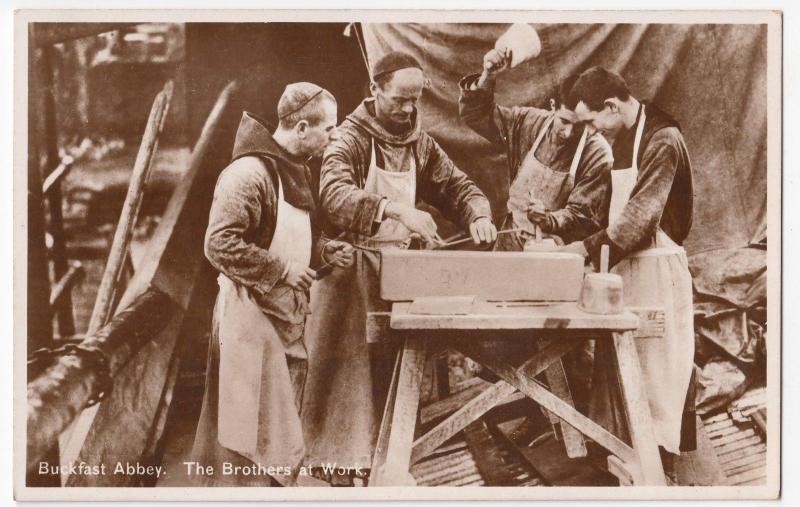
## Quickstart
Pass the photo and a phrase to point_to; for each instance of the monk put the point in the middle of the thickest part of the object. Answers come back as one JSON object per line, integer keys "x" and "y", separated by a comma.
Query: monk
{"x": 372, "y": 178}
{"x": 261, "y": 239}
{"x": 650, "y": 215}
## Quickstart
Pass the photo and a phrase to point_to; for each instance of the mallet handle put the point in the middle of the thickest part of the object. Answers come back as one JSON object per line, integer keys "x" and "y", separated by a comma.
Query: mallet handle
{"x": 604, "y": 254}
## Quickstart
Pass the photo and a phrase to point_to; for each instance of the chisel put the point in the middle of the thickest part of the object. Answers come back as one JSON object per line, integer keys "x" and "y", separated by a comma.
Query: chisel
{"x": 449, "y": 242}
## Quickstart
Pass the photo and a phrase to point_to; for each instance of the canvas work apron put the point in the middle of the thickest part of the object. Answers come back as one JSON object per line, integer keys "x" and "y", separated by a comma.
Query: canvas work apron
{"x": 656, "y": 276}
{"x": 348, "y": 379}
{"x": 258, "y": 408}
{"x": 537, "y": 181}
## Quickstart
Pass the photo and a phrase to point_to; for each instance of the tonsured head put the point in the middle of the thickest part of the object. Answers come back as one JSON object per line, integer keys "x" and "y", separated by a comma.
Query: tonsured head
{"x": 397, "y": 84}
{"x": 309, "y": 112}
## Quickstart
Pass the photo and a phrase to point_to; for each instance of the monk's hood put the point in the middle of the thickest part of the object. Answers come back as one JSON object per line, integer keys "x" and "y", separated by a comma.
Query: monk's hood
{"x": 254, "y": 138}
{"x": 364, "y": 117}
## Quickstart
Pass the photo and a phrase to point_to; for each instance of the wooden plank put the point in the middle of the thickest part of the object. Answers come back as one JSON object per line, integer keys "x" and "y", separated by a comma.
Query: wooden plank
{"x": 64, "y": 286}
{"x": 447, "y": 477}
{"x": 409, "y": 274}
{"x": 730, "y": 457}
{"x": 557, "y": 381}
{"x": 719, "y": 425}
{"x": 431, "y": 467}
{"x": 739, "y": 444}
{"x": 472, "y": 478}
{"x": 487, "y": 455}
{"x": 752, "y": 458}
{"x": 130, "y": 208}
{"x": 450, "y": 404}
{"x": 382, "y": 444}
{"x": 734, "y": 436}
{"x": 455, "y": 446}
{"x": 621, "y": 470}
{"x": 442, "y": 461}
{"x": 489, "y": 398}
{"x": 716, "y": 435}
{"x": 531, "y": 388}
{"x": 750, "y": 475}
{"x": 441, "y": 375}
{"x": 395, "y": 470}
{"x": 545, "y": 317}
{"x": 58, "y": 174}
{"x": 700, "y": 467}
{"x": 637, "y": 408}
{"x": 722, "y": 416}
{"x": 759, "y": 418}
{"x": 460, "y": 419}
{"x": 446, "y": 305}
{"x": 750, "y": 463}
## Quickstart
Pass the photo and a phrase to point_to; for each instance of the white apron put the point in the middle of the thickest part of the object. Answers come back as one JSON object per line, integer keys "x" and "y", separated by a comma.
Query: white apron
{"x": 659, "y": 276}
{"x": 397, "y": 186}
{"x": 258, "y": 414}
{"x": 348, "y": 379}
{"x": 535, "y": 180}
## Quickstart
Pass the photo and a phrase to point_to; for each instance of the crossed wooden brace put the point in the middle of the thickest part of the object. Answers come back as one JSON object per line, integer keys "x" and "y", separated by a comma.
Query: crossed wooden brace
{"x": 396, "y": 449}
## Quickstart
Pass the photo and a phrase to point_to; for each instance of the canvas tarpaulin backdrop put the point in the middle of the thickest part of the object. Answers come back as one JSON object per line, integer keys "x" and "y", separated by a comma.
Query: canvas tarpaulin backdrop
{"x": 711, "y": 78}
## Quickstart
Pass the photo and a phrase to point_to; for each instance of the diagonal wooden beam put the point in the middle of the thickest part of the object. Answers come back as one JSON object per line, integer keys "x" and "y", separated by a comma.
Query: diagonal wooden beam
{"x": 487, "y": 400}
{"x": 523, "y": 381}
{"x": 467, "y": 414}
{"x": 557, "y": 380}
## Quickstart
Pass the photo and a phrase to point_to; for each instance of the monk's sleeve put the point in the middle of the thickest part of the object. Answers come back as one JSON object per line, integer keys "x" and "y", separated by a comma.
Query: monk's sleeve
{"x": 586, "y": 210}
{"x": 641, "y": 216}
{"x": 477, "y": 108}
{"x": 448, "y": 189}
{"x": 511, "y": 128}
{"x": 241, "y": 198}
{"x": 347, "y": 206}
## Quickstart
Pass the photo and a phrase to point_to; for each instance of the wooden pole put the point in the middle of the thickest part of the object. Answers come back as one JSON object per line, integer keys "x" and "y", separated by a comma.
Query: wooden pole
{"x": 174, "y": 255}
{"x": 38, "y": 289}
{"x": 604, "y": 256}
{"x": 39, "y": 320}
{"x": 130, "y": 210}
{"x": 66, "y": 322}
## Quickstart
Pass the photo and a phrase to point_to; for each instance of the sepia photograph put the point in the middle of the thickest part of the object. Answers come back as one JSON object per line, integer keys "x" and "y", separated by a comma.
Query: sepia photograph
{"x": 402, "y": 254}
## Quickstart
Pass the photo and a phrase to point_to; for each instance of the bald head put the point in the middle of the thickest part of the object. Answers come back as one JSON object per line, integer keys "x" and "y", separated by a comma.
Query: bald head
{"x": 303, "y": 102}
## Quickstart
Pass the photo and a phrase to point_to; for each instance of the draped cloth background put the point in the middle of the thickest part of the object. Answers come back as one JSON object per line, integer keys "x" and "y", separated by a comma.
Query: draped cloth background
{"x": 711, "y": 78}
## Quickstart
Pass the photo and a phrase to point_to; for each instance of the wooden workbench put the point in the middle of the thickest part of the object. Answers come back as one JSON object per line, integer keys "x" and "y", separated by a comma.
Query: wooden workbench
{"x": 561, "y": 327}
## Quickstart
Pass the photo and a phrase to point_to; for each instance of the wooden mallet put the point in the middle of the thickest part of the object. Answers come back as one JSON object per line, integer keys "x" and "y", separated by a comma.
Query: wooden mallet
{"x": 602, "y": 292}
{"x": 539, "y": 243}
